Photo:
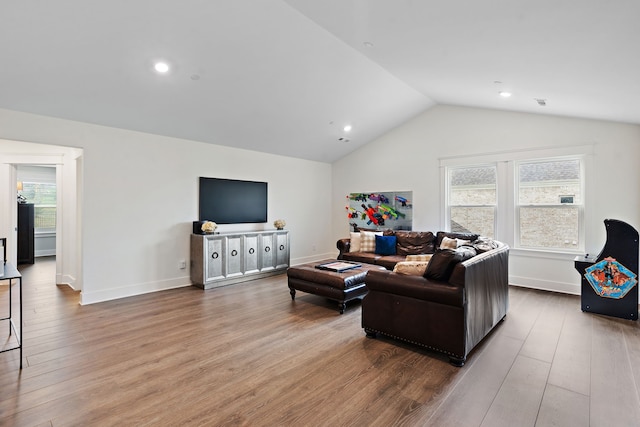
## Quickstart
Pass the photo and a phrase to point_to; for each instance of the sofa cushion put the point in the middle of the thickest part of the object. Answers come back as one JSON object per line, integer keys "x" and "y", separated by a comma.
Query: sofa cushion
{"x": 385, "y": 245}
{"x": 414, "y": 242}
{"x": 389, "y": 261}
{"x": 355, "y": 242}
{"x": 442, "y": 264}
{"x": 362, "y": 257}
{"x": 411, "y": 268}
{"x": 368, "y": 240}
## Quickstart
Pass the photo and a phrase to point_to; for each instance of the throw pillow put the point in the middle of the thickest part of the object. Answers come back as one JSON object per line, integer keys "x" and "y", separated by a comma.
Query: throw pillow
{"x": 448, "y": 243}
{"x": 442, "y": 264}
{"x": 419, "y": 257}
{"x": 411, "y": 268}
{"x": 386, "y": 245}
{"x": 355, "y": 242}
{"x": 368, "y": 240}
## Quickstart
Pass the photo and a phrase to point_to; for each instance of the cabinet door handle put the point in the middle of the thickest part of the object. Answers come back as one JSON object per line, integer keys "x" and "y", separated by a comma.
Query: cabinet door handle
{"x": 282, "y": 247}
{"x": 251, "y": 251}
{"x": 234, "y": 252}
{"x": 267, "y": 249}
{"x": 215, "y": 255}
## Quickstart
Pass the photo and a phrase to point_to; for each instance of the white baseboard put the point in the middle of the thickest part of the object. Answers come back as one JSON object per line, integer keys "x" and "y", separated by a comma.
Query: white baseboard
{"x": 88, "y": 297}
{"x": 44, "y": 252}
{"x": 545, "y": 285}
{"x": 66, "y": 279}
{"x": 314, "y": 258}
{"x": 133, "y": 290}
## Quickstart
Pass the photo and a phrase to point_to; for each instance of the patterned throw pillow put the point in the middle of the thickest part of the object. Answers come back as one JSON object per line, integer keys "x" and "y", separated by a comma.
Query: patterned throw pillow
{"x": 419, "y": 257}
{"x": 368, "y": 240}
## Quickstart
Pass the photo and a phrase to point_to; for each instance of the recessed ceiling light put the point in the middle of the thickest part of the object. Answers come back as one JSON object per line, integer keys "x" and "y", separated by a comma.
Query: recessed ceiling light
{"x": 347, "y": 128}
{"x": 505, "y": 94}
{"x": 161, "y": 67}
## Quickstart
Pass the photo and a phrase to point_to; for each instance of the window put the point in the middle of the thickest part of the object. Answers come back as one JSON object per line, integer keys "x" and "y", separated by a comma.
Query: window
{"x": 549, "y": 207}
{"x": 472, "y": 200}
{"x": 529, "y": 200}
{"x": 43, "y": 196}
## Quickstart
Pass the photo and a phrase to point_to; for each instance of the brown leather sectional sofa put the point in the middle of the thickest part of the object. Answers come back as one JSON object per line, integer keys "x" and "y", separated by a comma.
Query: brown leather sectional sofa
{"x": 450, "y": 314}
{"x": 408, "y": 243}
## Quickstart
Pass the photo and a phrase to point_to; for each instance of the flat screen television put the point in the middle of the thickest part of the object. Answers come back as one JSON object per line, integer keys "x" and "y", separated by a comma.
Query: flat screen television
{"x": 231, "y": 201}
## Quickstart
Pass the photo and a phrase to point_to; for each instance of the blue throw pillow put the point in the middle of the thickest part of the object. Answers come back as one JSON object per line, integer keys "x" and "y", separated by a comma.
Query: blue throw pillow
{"x": 386, "y": 245}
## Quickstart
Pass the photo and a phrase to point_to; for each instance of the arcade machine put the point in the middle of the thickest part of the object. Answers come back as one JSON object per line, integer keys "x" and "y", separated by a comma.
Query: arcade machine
{"x": 610, "y": 280}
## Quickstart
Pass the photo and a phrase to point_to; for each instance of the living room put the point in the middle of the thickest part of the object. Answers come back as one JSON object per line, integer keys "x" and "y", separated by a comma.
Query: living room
{"x": 149, "y": 262}
{"x": 131, "y": 193}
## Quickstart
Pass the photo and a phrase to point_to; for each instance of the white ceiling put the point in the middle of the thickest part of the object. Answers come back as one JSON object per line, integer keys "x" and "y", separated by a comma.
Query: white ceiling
{"x": 284, "y": 77}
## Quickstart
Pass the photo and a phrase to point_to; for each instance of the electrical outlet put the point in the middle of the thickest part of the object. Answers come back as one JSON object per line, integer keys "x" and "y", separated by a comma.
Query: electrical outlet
{"x": 182, "y": 264}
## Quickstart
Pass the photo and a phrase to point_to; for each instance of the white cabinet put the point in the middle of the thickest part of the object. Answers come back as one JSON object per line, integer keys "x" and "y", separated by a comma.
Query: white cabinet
{"x": 224, "y": 259}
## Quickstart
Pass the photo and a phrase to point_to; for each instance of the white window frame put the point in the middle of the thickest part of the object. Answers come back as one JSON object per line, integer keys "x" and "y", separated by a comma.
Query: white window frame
{"x": 448, "y": 187}
{"x": 579, "y": 249}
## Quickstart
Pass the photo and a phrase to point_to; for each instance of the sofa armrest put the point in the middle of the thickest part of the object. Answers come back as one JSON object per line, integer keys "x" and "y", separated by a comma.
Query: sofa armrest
{"x": 486, "y": 282}
{"x": 343, "y": 246}
{"x": 417, "y": 287}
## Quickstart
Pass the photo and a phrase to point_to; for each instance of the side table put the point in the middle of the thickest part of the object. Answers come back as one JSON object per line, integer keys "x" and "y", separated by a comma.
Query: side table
{"x": 12, "y": 274}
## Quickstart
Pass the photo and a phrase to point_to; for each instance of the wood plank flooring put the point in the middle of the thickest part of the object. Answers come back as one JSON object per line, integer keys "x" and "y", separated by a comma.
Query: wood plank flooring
{"x": 247, "y": 355}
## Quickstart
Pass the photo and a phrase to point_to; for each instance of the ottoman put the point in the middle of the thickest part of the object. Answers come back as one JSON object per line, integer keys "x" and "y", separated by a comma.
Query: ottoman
{"x": 337, "y": 286}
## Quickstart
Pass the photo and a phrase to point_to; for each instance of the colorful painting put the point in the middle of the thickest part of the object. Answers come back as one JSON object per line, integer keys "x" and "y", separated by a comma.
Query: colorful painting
{"x": 390, "y": 210}
{"x": 610, "y": 279}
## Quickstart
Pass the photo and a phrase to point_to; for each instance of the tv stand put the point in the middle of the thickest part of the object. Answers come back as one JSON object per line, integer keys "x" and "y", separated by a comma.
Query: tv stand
{"x": 228, "y": 258}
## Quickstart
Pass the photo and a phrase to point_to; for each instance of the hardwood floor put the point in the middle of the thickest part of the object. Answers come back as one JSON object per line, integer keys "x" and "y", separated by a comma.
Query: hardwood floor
{"x": 247, "y": 355}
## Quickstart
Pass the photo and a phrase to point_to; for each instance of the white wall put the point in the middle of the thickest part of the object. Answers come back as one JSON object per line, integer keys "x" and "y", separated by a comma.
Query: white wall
{"x": 140, "y": 198}
{"x": 407, "y": 158}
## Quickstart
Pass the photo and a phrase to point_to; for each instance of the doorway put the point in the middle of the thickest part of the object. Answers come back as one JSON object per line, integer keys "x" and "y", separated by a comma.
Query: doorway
{"x": 68, "y": 173}
{"x": 37, "y": 214}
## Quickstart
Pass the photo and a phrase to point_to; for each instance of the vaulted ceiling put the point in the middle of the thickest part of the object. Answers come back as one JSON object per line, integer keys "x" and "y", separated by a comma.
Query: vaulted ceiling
{"x": 286, "y": 77}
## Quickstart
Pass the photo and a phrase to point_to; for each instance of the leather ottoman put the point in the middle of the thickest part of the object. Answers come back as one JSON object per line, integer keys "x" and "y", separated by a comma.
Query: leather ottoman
{"x": 337, "y": 286}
